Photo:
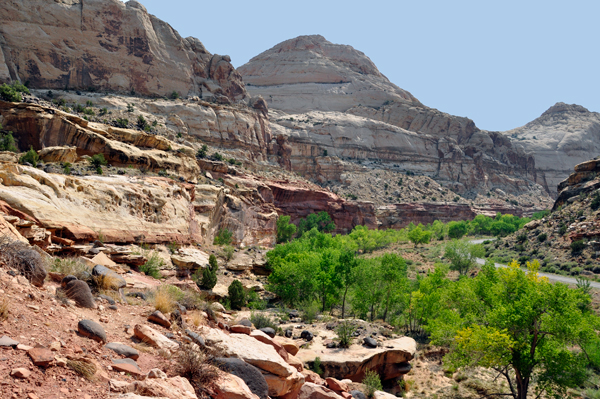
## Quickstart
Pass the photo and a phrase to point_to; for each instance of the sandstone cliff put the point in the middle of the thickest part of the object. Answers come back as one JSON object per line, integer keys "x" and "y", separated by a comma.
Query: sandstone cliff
{"x": 106, "y": 45}
{"x": 335, "y": 102}
{"x": 562, "y": 137}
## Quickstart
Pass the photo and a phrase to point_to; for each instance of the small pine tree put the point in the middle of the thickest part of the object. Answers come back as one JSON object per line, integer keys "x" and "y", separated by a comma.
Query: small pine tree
{"x": 209, "y": 279}
{"x": 237, "y": 295}
{"x": 30, "y": 156}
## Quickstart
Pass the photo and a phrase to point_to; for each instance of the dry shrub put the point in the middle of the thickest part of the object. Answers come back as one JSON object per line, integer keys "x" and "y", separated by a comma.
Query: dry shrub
{"x": 165, "y": 298}
{"x": 144, "y": 347}
{"x": 197, "y": 368}
{"x": 4, "y": 305}
{"x": 191, "y": 300}
{"x": 106, "y": 282}
{"x": 86, "y": 369}
{"x": 24, "y": 259}
{"x": 70, "y": 267}
{"x": 196, "y": 318}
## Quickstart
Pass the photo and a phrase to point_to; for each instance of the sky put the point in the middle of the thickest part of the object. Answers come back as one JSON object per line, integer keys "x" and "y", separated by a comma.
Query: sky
{"x": 500, "y": 63}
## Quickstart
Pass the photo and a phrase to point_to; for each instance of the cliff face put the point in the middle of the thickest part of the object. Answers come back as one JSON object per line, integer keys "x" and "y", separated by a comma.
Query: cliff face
{"x": 329, "y": 99}
{"x": 106, "y": 45}
{"x": 584, "y": 180}
{"x": 562, "y": 137}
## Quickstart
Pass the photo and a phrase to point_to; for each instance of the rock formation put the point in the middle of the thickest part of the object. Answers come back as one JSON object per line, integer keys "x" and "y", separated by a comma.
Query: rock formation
{"x": 337, "y": 103}
{"x": 562, "y": 137}
{"x": 106, "y": 45}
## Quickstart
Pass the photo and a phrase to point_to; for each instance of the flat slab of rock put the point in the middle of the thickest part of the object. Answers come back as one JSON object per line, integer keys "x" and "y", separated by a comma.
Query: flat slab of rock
{"x": 160, "y": 319}
{"x": 154, "y": 338}
{"x": 352, "y": 363}
{"x": 190, "y": 258}
{"x": 8, "y": 342}
{"x": 314, "y": 391}
{"x": 265, "y": 339}
{"x": 280, "y": 376}
{"x": 123, "y": 350}
{"x": 41, "y": 357}
{"x": 92, "y": 330}
{"x": 21, "y": 372}
{"x": 127, "y": 366}
{"x": 240, "y": 329}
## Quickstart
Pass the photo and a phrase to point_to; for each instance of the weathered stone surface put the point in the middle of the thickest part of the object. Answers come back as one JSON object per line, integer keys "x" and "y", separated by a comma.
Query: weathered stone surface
{"x": 280, "y": 376}
{"x": 159, "y": 318}
{"x": 336, "y": 385}
{"x": 240, "y": 329}
{"x": 229, "y": 386}
{"x": 190, "y": 258}
{"x": 314, "y": 391}
{"x": 288, "y": 344}
{"x": 311, "y": 376}
{"x": 92, "y": 330}
{"x": 110, "y": 46}
{"x": 248, "y": 373}
{"x": 41, "y": 356}
{"x": 265, "y": 339}
{"x": 154, "y": 338}
{"x": 295, "y": 362}
{"x": 123, "y": 350}
{"x": 20, "y": 372}
{"x": 171, "y": 388}
{"x": 7, "y": 341}
{"x": 352, "y": 363}
{"x": 128, "y": 366}
{"x": 104, "y": 271}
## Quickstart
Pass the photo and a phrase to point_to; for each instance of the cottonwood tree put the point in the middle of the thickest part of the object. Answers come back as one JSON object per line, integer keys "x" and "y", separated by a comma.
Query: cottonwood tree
{"x": 520, "y": 325}
{"x": 463, "y": 255}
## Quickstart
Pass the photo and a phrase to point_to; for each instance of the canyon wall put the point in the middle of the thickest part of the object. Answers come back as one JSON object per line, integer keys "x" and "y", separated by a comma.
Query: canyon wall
{"x": 107, "y": 45}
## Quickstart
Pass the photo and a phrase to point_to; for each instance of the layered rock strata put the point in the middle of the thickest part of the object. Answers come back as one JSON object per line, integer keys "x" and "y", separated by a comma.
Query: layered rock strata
{"x": 107, "y": 45}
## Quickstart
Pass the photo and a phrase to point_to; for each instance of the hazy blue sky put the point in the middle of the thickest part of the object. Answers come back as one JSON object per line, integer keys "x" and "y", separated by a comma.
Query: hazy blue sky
{"x": 499, "y": 63}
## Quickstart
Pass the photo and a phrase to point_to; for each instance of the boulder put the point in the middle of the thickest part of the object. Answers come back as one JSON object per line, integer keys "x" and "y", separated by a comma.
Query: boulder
{"x": 159, "y": 318}
{"x": 100, "y": 270}
{"x": 370, "y": 342}
{"x": 128, "y": 366}
{"x": 306, "y": 335}
{"x": 229, "y": 386}
{"x": 336, "y": 385}
{"x": 288, "y": 344}
{"x": 171, "y": 388}
{"x": 102, "y": 259}
{"x": 20, "y": 372}
{"x": 196, "y": 338}
{"x": 41, "y": 357}
{"x": 295, "y": 362}
{"x": 79, "y": 292}
{"x": 245, "y": 322}
{"x": 92, "y": 330}
{"x": 269, "y": 331}
{"x": 123, "y": 350}
{"x": 265, "y": 339}
{"x": 240, "y": 329}
{"x": 356, "y": 394}
{"x": 154, "y": 338}
{"x": 383, "y": 395}
{"x": 352, "y": 363}
{"x": 59, "y": 154}
{"x": 280, "y": 376}
{"x": 314, "y": 391}
{"x": 311, "y": 376}
{"x": 249, "y": 374}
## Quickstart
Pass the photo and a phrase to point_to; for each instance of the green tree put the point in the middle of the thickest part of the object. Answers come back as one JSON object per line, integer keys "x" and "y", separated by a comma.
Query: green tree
{"x": 346, "y": 269}
{"x": 463, "y": 255}
{"x": 237, "y": 295}
{"x": 30, "y": 156}
{"x": 223, "y": 237}
{"x": 97, "y": 160}
{"x": 321, "y": 221}
{"x": 285, "y": 229}
{"x": 457, "y": 230}
{"x": 393, "y": 275}
{"x": 328, "y": 281}
{"x": 522, "y": 326}
{"x": 207, "y": 278}
{"x": 419, "y": 236}
{"x": 7, "y": 142}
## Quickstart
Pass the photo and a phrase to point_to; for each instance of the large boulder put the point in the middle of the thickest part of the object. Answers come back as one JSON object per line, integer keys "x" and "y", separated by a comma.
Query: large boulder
{"x": 171, "y": 388}
{"x": 59, "y": 154}
{"x": 352, "y": 363}
{"x": 105, "y": 272}
{"x": 229, "y": 386}
{"x": 265, "y": 339}
{"x": 153, "y": 338}
{"x": 78, "y": 291}
{"x": 280, "y": 376}
{"x": 314, "y": 391}
{"x": 251, "y": 375}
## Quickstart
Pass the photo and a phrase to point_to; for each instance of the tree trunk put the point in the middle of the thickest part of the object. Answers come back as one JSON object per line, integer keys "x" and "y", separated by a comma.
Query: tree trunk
{"x": 344, "y": 302}
{"x": 522, "y": 385}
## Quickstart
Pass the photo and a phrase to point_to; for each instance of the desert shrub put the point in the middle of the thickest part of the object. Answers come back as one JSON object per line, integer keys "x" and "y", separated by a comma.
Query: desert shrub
{"x": 540, "y": 214}
{"x": 237, "y": 295}
{"x": 228, "y": 252}
{"x": 522, "y": 237}
{"x": 316, "y": 366}
{"x": 67, "y": 168}
{"x": 162, "y": 173}
{"x": 89, "y": 111}
{"x": 13, "y": 92}
{"x": 4, "y": 307}
{"x": 563, "y": 229}
{"x": 309, "y": 313}
{"x": 191, "y": 300}
{"x": 174, "y": 95}
{"x": 197, "y": 368}
{"x": 262, "y": 320}
{"x": 30, "y": 156}
{"x": 345, "y": 331}
{"x": 255, "y": 301}
{"x": 106, "y": 282}
{"x": 577, "y": 246}
{"x": 103, "y": 111}
{"x": 165, "y": 297}
{"x": 372, "y": 383}
{"x": 201, "y": 153}
{"x": 83, "y": 368}
{"x": 153, "y": 265}
{"x": 542, "y": 237}
{"x": 97, "y": 160}
{"x": 217, "y": 157}
{"x": 122, "y": 123}
{"x": 141, "y": 122}
{"x": 206, "y": 278}
{"x": 24, "y": 259}
{"x": 7, "y": 142}
{"x": 223, "y": 237}
{"x": 70, "y": 266}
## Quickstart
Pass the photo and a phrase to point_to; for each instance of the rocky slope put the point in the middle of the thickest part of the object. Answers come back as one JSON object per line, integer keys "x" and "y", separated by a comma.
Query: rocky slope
{"x": 562, "y": 137}
{"x": 333, "y": 101}
{"x": 105, "y": 45}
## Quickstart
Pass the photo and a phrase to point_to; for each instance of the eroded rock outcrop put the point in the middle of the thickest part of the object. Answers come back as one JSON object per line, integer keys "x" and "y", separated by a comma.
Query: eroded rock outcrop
{"x": 108, "y": 46}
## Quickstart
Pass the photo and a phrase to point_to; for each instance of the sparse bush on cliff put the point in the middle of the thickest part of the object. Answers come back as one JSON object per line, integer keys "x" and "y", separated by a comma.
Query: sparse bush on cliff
{"x": 206, "y": 278}
{"x": 202, "y": 151}
{"x": 223, "y": 237}
{"x": 577, "y": 246}
{"x": 97, "y": 160}
{"x": 237, "y": 295}
{"x": 13, "y": 92}
{"x": 542, "y": 237}
{"x": 7, "y": 142}
{"x": 30, "y": 156}
{"x": 345, "y": 331}
{"x": 122, "y": 123}
{"x": 372, "y": 383}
